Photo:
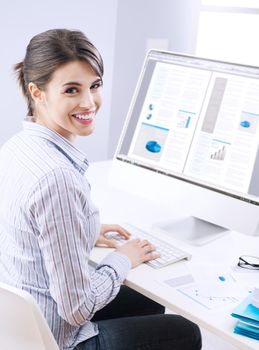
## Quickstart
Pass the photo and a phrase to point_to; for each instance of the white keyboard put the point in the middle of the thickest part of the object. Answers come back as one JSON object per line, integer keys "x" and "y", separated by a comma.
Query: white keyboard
{"x": 169, "y": 254}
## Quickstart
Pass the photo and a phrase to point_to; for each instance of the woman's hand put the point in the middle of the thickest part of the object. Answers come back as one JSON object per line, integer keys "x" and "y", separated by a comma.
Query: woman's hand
{"x": 138, "y": 251}
{"x": 103, "y": 241}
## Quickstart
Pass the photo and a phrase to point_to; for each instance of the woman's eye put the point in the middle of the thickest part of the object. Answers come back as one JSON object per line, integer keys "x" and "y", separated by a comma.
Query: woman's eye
{"x": 71, "y": 90}
{"x": 97, "y": 85}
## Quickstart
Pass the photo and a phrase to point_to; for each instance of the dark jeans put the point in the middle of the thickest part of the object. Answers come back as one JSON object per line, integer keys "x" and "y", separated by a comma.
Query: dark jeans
{"x": 134, "y": 322}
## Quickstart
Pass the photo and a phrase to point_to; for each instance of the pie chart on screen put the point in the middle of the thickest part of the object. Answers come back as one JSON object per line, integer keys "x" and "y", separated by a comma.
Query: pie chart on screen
{"x": 153, "y": 146}
{"x": 245, "y": 124}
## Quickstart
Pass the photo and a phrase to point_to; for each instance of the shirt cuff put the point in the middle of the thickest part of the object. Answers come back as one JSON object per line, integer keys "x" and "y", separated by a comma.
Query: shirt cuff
{"x": 119, "y": 262}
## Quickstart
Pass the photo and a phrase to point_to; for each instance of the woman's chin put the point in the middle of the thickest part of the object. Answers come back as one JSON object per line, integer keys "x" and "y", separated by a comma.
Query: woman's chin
{"x": 86, "y": 131}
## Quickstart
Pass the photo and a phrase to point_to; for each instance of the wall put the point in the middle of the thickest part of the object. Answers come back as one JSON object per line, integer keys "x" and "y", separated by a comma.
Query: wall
{"x": 20, "y": 20}
{"x": 138, "y": 20}
{"x": 119, "y": 28}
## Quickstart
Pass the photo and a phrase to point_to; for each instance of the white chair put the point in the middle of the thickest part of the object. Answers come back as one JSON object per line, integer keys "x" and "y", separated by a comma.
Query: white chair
{"x": 22, "y": 325}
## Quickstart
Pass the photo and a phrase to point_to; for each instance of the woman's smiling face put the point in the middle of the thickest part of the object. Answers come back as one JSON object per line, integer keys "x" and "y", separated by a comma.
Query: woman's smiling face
{"x": 70, "y": 100}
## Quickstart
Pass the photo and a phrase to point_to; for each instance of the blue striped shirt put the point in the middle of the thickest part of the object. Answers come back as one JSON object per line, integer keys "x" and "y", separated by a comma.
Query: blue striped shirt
{"x": 48, "y": 226}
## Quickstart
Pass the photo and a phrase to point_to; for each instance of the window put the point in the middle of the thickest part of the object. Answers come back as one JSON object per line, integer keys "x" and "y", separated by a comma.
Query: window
{"x": 228, "y": 30}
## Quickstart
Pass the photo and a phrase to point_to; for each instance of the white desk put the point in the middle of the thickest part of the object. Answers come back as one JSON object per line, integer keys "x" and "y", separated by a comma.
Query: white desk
{"x": 118, "y": 207}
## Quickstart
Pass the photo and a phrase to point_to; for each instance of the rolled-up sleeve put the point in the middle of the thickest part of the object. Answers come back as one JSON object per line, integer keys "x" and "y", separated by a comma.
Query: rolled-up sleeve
{"x": 68, "y": 225}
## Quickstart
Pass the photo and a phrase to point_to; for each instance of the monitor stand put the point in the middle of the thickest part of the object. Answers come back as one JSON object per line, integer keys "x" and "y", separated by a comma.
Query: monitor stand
{"x": 193, "y": 230}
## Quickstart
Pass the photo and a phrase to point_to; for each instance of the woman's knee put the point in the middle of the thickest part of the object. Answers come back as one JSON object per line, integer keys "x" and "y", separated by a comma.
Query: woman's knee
{"x": 182, "y": 328}
{"x": 192, "y": 331}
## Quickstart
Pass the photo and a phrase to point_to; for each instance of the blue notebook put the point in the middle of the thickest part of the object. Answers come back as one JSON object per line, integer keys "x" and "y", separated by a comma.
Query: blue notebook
{"x": 248, "y": 316}
{"x": 247, "y": 330}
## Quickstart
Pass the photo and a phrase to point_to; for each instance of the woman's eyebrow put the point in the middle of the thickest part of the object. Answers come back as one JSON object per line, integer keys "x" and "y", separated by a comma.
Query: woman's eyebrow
{"x": 72, "y": 83}
{"x": 97, "y": 81}
{"x": 79, "y": 84}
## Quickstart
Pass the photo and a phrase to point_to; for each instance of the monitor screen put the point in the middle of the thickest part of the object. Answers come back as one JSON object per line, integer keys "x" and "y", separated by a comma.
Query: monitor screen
{"x": 196, "y": 121}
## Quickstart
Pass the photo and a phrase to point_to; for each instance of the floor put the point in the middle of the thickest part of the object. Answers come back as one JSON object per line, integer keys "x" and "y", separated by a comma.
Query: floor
{"x": 212, "y": 342}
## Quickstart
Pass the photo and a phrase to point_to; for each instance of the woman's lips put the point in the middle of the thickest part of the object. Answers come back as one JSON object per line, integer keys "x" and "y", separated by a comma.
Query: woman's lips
{"x": 84, "y": 118}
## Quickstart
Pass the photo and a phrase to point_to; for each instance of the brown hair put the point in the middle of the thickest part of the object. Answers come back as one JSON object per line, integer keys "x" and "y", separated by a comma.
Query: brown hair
{"x": 47, "y": 51}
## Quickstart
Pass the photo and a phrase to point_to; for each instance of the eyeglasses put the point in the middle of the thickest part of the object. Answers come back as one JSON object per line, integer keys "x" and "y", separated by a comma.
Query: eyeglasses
{"x": 249, "y": 262}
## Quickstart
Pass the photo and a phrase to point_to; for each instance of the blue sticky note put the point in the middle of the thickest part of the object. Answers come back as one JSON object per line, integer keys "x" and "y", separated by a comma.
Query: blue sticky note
{"x": 222, "y": 278}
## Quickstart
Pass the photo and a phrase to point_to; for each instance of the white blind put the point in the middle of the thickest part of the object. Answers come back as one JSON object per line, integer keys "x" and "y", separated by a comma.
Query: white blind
{"x": 232, "y": 3}
{"x": 229, "y": 34}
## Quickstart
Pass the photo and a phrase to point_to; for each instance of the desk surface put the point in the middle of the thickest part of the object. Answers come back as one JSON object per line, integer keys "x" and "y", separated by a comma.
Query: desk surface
{"x": 117, "y": 206}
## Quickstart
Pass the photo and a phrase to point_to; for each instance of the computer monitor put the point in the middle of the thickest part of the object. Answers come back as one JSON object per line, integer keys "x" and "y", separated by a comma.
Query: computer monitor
{"x": 190, "y": 144}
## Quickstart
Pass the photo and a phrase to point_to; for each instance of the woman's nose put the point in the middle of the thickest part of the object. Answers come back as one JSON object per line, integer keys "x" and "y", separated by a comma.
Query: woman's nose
{"x": 87, "y": 100}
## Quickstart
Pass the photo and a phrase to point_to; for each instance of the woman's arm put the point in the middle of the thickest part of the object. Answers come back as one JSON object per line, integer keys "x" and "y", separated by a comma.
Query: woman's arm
{"x": 68, "y": 226}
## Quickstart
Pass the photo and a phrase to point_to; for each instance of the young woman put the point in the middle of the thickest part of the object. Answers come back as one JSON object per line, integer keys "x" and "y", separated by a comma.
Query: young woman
{"x": 48, "y": 223}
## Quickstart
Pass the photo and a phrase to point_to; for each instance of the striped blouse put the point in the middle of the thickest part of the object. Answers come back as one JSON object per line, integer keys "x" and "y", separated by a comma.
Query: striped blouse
{"x": 48, "y": 226}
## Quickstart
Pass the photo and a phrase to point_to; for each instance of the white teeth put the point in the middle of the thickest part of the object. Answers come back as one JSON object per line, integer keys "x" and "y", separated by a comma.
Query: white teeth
{"x": 84, "y": 116}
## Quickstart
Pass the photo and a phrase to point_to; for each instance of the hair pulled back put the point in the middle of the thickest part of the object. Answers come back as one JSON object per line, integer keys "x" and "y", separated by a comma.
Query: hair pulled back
{"x": 49, "y": 50}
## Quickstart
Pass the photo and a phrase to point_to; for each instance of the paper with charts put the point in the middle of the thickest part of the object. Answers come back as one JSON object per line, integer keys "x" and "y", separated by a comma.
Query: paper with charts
{"x": 211, "y": 286}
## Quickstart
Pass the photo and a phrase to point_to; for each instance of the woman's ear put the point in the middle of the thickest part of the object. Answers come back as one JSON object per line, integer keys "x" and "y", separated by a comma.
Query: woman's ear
{"x": 36, "y": 94}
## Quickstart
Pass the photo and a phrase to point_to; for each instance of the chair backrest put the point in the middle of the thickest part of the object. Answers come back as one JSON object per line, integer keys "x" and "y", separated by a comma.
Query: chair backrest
{"x": 22, "y": 325}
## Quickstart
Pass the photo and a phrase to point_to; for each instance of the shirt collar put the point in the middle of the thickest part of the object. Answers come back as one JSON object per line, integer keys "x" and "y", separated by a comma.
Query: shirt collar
{"x": 77, "y": 157}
